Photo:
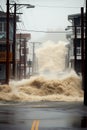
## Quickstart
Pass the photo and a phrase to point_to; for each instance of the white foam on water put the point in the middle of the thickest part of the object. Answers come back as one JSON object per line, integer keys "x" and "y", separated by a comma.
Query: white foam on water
{"x": 54, "y": 82}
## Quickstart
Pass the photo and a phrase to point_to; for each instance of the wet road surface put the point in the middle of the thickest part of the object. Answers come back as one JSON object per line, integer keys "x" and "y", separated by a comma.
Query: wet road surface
{"x": 43, "y": 116}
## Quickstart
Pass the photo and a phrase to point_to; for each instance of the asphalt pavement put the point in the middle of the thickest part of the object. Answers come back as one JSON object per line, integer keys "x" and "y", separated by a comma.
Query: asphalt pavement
{"x": 43, "y": 116}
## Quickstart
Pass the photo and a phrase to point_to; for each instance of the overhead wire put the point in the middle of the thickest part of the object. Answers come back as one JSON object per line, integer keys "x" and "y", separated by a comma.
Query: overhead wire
{"x": 48, "y": 6}
{"x": 42, "y": 31}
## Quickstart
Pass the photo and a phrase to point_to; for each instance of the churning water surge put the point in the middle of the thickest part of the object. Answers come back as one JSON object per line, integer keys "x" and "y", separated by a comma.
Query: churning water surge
{"x": 55, "y": 82}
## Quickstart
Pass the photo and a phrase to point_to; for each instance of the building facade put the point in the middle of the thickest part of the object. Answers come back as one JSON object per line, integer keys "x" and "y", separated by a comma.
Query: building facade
{"x": 22, "y": 54}
{"x": 3, "y": 44}
{"x": 74, "y": 37}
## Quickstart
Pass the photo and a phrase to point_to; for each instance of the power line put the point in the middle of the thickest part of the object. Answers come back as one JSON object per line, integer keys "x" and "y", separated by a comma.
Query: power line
{"x": 41, "y": 31}
{"x": 47, "y": 6}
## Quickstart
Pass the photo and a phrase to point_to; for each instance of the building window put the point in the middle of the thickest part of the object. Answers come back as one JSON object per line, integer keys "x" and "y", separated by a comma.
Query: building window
{"x": 2, "y": 26}
{"x": 2, "y": 47}
{"x": 78, "y": 30}
{"x": 78, "y": 50}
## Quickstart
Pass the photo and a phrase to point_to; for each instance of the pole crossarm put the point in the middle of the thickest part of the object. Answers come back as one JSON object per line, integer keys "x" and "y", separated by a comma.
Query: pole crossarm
{"x": 19, "y": 6}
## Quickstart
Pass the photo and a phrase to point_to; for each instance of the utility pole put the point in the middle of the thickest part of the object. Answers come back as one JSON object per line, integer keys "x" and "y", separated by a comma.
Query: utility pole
{"x": 20, "y": 58}
{"x": 75, "y": 47}
{"x": 14, "y": 43}
{"x": 82, "y": 45}
{"x": 85, "y": 66}
{"x": 33, "y": 62}
{"x": 7, "y": 44}
{"x": 29, "y": 64}
{"x": 24, "y": 58}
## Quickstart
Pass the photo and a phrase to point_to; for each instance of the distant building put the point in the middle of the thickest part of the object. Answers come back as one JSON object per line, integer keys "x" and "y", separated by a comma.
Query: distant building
{"x": 75, "y": 20}
{"x": 22, "y": 54}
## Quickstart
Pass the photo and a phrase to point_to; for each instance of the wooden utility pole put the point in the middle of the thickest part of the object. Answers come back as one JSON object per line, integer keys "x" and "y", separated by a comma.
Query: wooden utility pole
{"x": 24, "y": 58}
{"x": 33, "y": 60}
{"x": 29, "y": 64}
{"x": 20, "y": 59}
{"x": 82, "y": 45}
{"x": 7, "y": 45}
{"x": 85, "y": 66}
{"x": 14, "y": 43}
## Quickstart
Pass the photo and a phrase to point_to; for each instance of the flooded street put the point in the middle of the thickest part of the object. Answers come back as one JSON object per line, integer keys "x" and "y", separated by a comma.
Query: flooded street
{"x": 54, "y": 81}
{"x": 50, "y": 100}
{"x": 43, "y": 115}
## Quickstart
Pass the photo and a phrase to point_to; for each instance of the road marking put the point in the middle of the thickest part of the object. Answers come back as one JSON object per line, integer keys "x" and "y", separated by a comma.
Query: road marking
{"x": 35, "y": 125}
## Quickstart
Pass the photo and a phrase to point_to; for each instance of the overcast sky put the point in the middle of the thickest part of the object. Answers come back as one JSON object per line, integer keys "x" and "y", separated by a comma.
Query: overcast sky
{"x": 51, "y": 13}
{"x": 47, "y": 14}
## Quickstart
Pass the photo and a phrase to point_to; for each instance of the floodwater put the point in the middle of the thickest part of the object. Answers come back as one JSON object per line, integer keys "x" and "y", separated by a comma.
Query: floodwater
{"x": 55, "y": 81}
